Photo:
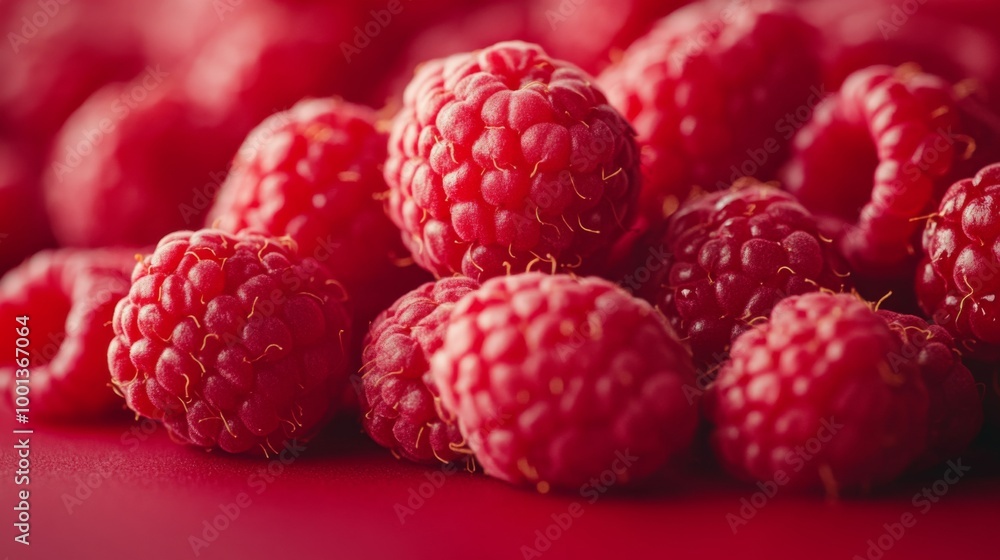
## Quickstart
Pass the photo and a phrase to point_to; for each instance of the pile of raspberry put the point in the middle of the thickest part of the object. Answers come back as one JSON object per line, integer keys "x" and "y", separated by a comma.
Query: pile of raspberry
{"x": 734, "y": 239}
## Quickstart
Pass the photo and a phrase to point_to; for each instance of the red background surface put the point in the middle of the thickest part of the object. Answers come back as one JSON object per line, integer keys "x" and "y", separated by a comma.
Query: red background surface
{"x": 337, "y": 501}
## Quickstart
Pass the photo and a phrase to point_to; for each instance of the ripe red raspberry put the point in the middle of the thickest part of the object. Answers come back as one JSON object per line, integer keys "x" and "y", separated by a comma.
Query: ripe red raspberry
{"x": 133, "y": 164}
{"x": 956, "y": 409}
{"x": 958, "y": 284}
{"x": 505, "y": 160}
{"x": 314, "y": 172}
{"x": 730, "y": 257}
{"x": 872, "y": 159}
{"x": 68, "y": 297}
{"x": 399, "y": 410}
{"x": 556, "y": 379}
{"x": 815, "y": 399}
{"x": 233, "y": 341}
{"x": 712, "y": 91}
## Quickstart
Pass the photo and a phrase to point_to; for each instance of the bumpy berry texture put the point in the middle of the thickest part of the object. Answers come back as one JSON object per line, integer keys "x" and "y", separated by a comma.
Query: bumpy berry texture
{"x": 233, "y": 341}
{"x": 400, "y": 412}
{"x": 712, "y": 91}
{"x": 314, "y": 172}
{"x": 956, "y": 409}
{"x": 817, "y": 397}
{"x": 957, "y": 280}
{"x": 505, "y": 160}
{"x": 872, "y": 159}
{"x": 555, "y": 379}
{"x": 730, "y": 257}
{"x": 133, "y": 164}
{"x": 68, "y": 297}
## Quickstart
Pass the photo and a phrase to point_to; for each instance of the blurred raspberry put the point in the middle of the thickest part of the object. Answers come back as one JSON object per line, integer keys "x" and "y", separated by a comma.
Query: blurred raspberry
{"x": 399, "y": 409}
{"x": 266, "y": 56}
{"x": 590, "y": 33}
{"x": 233, "y": 341}
{"x": 730, "y": 257}
{"x": 58, "y": 54}
{"x": 956, "y": 39}
{"x": 956, "y": 408}
{"x": 587, "y": 34}
{"x": 132, "y": 164}
{"x": 24, "y": 227}
{"x": 556, "y": 379}
{"x": 957, "y": 281}
{"x": 314, "y": 172}
{"x": 714, "y": 91}
{"x": 68, "y": 297}
{"x": 504, "y": 160}
{"x": 816, "y": 399}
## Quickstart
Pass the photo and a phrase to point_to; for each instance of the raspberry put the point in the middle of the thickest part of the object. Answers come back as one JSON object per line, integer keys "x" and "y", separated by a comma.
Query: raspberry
{"x": 233, "y": 341}
{"x": 730, "y": 257}
{"x": 504, "y": 160}
{"x": 399, "y": 408}
{"x": 49, "y": 70}
{"x": 712, "y": 92}
{"x": 267, "y": 55}
{"x": 872, "y": 159}
{"x": 957, "y": 281}
{"x": 956, "y": 410}
{"x": 68, "y": 297}
{"x": 955, "y": 39}
{"x": 555, "y": 379}
{"x": 314, "y": 172}
{"x": 816, "y": 398}
{"x": 129, "y": 167}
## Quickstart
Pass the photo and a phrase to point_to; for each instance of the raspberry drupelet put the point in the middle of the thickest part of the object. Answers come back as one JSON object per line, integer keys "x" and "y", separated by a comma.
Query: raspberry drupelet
{"x": 958, "y": 280}
{"x": 874, "y": 159}
{"x": 233, "y": 341}
{"x": 555, "y": 379}
{"x": 713, "y": 91}
{"x": 398, "y": 405}
{"x": 730, "y": 257}
{"x": 505, "y": 160}
{"x": 314, "y": 172}
{"x": 817, "y": 398}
